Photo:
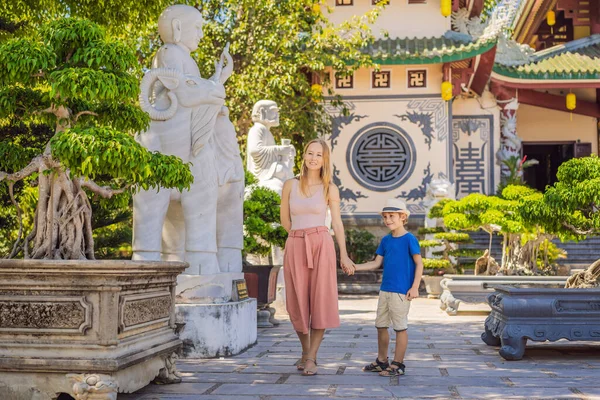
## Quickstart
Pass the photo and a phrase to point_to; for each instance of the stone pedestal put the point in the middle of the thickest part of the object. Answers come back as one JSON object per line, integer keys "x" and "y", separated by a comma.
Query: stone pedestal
{"x": 217, "y": 330}
{"x": 90, "y": 329}
{"x": 206, "y": 289}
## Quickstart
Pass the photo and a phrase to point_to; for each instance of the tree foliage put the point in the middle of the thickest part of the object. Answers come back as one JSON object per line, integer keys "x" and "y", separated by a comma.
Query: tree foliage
{"x": 277, "y": 48}
{"x": 71, "y": 76}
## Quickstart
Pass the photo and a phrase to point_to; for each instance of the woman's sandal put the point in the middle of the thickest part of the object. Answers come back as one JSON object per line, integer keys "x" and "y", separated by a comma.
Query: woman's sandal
{"x": 376, "y": 366}
{"x": 390, "y": 371}
{"x": 300, "y": 363}
{"x": 309, "y": 371}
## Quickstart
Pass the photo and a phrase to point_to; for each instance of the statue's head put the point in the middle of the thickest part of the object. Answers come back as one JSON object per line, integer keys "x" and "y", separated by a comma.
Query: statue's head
{"x": 181, "y": 24}
{"x": 440, "y": 189}
{"x": 266, "y": 112}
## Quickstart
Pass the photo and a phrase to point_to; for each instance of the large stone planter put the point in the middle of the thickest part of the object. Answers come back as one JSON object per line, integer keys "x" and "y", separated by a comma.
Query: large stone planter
{"x": 433, "y": 286}
{"x": 86, "y": 328}
{"x": 457, "y": 289}
{"x": 537, "y": 314}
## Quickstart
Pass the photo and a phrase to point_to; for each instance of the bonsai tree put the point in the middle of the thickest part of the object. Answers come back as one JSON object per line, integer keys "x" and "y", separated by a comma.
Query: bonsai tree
{"x": 72, "y": 76}
{"x": 261, "y": 219}
{"x": 570, "y": 208}
{"x": 477, "y": 211}
{"x": 444, "y": 243}
{"x": 531, "y": 246}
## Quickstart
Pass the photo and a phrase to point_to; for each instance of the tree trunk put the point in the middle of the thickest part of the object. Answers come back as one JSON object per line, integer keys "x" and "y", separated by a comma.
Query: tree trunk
{"x": 63, "y": 226}
{"x": 504, "y": 242}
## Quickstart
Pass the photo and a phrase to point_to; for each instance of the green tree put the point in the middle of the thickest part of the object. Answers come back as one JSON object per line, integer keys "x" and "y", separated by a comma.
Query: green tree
{"x": 445, "y": 241}
{"x": 71, "y": 75}
{"x": 277, "y": 48}
{"x": 261, "y": 219}
{"x": 571, "y": 207}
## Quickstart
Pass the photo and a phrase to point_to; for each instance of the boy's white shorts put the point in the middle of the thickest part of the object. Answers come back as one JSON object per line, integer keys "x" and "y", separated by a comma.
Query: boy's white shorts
{"x": 392, "y": 310}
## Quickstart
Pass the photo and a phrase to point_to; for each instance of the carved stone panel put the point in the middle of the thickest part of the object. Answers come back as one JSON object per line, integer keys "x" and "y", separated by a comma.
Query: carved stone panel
{"x": 44, "y": 314}
{"x": 137, "y": 311}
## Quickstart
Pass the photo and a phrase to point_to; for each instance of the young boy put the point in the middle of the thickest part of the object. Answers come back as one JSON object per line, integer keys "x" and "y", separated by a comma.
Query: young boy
{"x": 402, "y": 269}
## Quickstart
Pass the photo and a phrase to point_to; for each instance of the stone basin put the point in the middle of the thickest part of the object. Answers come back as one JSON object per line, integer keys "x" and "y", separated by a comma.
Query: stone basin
{"x": 89, "y": 329}
{"x": 540, "y": 314}
{"x": 474, "y": 289}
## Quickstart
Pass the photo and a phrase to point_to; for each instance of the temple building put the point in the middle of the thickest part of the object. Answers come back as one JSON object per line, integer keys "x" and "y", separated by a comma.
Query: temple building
{"x": 464, "y": 90}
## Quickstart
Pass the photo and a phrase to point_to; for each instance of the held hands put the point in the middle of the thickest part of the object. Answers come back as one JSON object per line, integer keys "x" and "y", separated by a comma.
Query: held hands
{"x": 413, "y": 293}
{"x": 347, "y": 265}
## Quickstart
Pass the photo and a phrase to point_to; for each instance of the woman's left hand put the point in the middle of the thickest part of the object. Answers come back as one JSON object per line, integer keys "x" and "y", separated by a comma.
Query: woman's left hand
{"x": 347, "y": 265}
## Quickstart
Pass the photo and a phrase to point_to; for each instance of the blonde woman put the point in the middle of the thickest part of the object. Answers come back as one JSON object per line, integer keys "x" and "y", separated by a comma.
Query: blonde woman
{"x": 309, "y": 257}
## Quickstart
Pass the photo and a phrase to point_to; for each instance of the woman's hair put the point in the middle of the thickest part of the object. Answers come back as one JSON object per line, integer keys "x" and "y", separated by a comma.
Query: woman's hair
{"x": 325, "y": 170}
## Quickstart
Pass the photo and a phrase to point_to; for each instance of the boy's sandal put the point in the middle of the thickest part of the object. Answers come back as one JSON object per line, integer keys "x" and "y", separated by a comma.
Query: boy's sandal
{"x": 376, "y": 366}
{"x": 391, "y": 371}
{"x": 300, "y": 363}
{"x": 310, "y": 371}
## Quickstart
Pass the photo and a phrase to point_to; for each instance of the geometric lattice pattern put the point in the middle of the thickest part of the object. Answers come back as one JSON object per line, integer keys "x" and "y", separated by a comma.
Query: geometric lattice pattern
{"x": 381, "y": 158}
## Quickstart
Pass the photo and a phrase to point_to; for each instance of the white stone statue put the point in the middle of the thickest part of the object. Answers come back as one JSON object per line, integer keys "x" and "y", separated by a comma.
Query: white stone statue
{"x": 190, "y": 122}
{"x": 510, "y": 143}
{"x": 272, "y": 164}
{"x": 436, "y": 190}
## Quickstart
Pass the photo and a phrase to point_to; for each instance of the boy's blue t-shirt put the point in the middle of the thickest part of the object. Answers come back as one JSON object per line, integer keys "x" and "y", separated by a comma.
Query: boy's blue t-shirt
{"x": 398, "y": 264}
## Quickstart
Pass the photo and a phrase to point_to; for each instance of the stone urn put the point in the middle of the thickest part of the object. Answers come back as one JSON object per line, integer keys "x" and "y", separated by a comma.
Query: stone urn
{"x": 432, "y": 285}
{"x": 261, "y": 281}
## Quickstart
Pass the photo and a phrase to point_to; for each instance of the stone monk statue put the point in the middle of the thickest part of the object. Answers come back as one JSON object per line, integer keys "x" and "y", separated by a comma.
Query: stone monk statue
{"x": 272, "y": 164}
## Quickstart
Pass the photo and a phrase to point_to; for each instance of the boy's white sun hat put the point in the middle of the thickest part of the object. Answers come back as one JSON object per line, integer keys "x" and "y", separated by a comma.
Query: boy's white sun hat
{"x": 395, "y": 205}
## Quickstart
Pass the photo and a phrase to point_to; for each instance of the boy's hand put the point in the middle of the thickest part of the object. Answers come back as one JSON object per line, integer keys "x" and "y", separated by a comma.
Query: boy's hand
{"x": 413, "y": 293}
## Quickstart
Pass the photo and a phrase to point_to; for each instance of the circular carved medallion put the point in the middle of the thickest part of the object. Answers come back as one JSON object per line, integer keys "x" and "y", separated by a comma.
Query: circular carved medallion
{"x": 381, "y": 156}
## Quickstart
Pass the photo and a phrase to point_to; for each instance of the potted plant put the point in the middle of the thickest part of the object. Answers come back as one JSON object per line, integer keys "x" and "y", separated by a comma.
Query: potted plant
{"x": 261, "y": 232}
{"x": 82, "y": 86}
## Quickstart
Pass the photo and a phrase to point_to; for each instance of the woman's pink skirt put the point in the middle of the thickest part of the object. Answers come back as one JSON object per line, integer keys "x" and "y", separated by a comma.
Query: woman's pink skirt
{"x": 311, "y": 279}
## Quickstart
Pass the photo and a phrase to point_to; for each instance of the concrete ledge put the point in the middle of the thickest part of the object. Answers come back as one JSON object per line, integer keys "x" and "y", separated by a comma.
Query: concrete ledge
{"x": 217, "y": 330}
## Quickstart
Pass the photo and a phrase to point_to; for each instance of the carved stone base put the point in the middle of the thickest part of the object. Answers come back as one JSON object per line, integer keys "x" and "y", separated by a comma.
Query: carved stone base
{"x": 89, "y": 329}
{"x": 262, "y": 319}
{"x": 93, "y": 387}
{"x": 540, "y": 314}
{"x": 169, "y": 373}
{"x": 217, "y": 330}
{"x": 272, "y": 318}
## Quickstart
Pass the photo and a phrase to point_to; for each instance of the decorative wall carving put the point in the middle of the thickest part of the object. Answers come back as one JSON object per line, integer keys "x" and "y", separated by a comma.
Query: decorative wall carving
{"x": 419, "y": 130}
{"x": 345, "y": 193}
{"x": 137, "y": 311}
{"x": 45, "y": 314}
{"x": 381, "y": 156}
{"x": 472, "y": 139}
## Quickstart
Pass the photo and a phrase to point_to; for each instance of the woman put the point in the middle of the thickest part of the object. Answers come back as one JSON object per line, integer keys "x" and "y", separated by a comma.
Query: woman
{"x": 309, "y": 257}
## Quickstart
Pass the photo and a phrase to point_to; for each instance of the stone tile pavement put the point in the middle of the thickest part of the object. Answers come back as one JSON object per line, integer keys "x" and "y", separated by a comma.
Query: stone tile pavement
{"x": 446, "y": 359}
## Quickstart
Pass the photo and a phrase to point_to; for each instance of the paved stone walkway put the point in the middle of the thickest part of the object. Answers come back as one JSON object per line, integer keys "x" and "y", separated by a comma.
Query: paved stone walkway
{"x": 446, "y": 359}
